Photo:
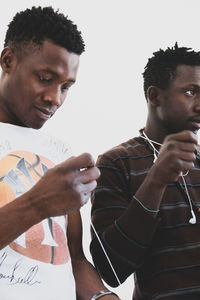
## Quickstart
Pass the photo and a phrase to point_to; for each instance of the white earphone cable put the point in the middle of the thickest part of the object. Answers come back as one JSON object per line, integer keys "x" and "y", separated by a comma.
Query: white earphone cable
{"x": 106, "y": 255}
{"x": 155, "y": 151}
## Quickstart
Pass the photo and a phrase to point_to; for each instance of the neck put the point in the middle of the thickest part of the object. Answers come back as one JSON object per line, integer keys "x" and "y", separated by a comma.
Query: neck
{"x": 155, "y": 131}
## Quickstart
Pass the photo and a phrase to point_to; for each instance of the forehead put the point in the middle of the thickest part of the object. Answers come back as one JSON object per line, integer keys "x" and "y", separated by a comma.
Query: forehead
{"x": 53, "y": 57}
{"x": 187, "y": 74}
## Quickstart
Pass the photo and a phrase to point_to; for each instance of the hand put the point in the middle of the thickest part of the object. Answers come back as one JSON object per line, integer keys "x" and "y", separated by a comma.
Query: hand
{"x": 65, "y": 187}
{"x": 175, "y": 156}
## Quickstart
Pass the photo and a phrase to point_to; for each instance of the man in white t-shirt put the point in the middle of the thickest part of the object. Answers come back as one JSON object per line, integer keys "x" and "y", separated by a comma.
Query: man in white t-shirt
{"x": 41, "y": 186}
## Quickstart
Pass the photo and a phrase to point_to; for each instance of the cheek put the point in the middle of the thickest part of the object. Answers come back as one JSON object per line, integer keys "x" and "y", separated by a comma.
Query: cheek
{"x": 169, "y": 113}
{"x": 26, "y": 83}
{"x": 19, "y": 88}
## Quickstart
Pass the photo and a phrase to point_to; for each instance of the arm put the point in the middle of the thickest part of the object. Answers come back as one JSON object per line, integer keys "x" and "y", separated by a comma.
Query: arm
{"x": 125, "y": 227}
{"x": 62, "y": 189}
{"x": 88, "y": 282}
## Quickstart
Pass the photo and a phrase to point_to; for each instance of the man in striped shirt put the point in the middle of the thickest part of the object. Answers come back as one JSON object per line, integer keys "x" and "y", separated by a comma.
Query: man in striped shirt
{"x": 146, "y": 207}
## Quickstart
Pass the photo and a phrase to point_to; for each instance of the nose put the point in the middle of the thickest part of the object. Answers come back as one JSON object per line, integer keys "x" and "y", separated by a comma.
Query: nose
{"x": 52, "y": 96}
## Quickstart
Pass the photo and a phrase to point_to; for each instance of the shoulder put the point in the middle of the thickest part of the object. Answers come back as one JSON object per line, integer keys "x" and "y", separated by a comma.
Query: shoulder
{"x": 132, "y": 148}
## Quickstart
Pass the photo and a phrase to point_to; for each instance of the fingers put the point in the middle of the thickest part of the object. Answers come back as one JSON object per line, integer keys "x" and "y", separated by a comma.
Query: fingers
{"x": 90, "y": 174}
{"x": 183, "y": 136}
{"x": 85, "y": 191}
{"x": 186, "y": 156}
{"x": 67, "y": 186}
{"x": 82, "y": 167}
{"x": 88, "y": 182}
{"x": 89, "y": 187}
{"x": 187, "y": 147}
{"x": 82, "y": 161}
{"x": 181, "y": 165}
{"x": 181, "y": 145}
{"x": 84, "y": 175}
{"x": 187, "y": 166}
{"x": 176, "y": 156}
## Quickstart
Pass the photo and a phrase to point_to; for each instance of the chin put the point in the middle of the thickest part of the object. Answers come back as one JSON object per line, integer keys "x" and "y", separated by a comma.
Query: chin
{"x": 34, "y": 125}
{"x": 37, "y": 126}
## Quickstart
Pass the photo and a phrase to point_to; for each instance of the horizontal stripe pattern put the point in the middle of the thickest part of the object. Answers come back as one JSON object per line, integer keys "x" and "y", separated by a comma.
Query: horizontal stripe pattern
{"x": 164, "y": 253}
{"x": 189, "y": 292}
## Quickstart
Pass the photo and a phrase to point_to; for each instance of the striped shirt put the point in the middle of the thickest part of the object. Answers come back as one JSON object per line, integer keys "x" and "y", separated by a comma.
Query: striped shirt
{"x": 163, "y": 253}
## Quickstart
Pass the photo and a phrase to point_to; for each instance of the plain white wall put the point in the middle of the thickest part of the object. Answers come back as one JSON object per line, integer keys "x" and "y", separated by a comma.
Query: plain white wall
{"x": 107, "y": 105}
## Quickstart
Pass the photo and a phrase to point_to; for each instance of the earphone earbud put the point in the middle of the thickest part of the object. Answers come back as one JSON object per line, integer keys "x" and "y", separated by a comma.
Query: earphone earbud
{"x": 193, "y": 220}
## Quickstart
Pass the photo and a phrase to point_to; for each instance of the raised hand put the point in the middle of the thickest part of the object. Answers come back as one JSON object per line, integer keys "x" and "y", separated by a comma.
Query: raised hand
{"x": 65, "y": 187}
{"x": 175, "y": 157}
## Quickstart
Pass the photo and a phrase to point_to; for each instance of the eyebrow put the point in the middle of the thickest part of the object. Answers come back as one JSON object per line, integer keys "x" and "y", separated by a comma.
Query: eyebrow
{"x": 193, "y": 85}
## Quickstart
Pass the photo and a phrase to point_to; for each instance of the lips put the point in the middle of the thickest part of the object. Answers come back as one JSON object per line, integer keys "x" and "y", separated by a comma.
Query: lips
{"x": 43, "y": 113}
{"x": 195, "y": 121}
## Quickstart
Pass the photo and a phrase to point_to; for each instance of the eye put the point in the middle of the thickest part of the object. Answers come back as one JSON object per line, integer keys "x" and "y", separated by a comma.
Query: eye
{"x": 64, "y": 88}
{"x": 190, "y": 92}
{"x": 44, "y": 79}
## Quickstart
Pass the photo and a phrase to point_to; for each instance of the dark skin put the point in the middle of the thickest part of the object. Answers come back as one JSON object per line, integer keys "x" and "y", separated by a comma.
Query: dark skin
{"x": 43, "y": 79}
{"x": 173, "y": 120}
{"x": 32, "y": 88}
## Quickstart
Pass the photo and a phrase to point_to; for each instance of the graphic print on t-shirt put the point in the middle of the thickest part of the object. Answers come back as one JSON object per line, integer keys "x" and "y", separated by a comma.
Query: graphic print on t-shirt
{"x": 45, "y": 241}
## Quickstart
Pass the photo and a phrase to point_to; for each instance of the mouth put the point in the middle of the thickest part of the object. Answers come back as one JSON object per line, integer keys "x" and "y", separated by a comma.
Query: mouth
{"x": 195, "y": 122}
{"x": 43, "y": 113}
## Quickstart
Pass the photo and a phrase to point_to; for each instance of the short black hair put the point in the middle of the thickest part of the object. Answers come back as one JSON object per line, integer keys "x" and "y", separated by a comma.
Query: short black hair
{"x": 37, "y": 24}
{"x": 161, "y": 67}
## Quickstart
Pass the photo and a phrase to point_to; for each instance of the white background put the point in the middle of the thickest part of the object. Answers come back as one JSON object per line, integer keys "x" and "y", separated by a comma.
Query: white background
{"x": 107, "y": 106}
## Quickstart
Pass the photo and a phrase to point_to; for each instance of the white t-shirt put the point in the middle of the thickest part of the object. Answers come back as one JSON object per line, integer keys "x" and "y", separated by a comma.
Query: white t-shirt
{"x": 37, "y": 265}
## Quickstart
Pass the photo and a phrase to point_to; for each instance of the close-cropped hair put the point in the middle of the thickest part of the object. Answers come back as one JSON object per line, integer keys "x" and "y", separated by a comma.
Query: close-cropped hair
{"x": 161, "y": 67}
{"x": 38, "y": 24}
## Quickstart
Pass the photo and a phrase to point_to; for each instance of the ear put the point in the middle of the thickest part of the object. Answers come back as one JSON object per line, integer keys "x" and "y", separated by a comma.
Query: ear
{"x": 8, "y": 60}
{"x": 153, "y": 95}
